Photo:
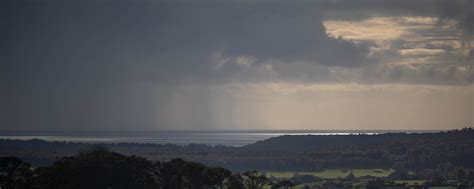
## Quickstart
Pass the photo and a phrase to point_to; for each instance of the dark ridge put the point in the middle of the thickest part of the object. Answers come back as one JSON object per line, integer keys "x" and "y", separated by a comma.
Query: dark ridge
{"x": 296, "y": 143}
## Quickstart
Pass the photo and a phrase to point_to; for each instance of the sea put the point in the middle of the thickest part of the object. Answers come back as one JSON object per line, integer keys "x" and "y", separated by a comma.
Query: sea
{"x": 227, "y": 138}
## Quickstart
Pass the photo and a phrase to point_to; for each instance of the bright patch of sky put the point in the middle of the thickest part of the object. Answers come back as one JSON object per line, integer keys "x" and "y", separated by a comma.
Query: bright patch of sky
{"x": 404, "y": 40}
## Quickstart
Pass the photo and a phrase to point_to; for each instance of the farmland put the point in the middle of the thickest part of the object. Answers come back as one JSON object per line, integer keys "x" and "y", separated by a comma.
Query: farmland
{"x": 334, "y": 173}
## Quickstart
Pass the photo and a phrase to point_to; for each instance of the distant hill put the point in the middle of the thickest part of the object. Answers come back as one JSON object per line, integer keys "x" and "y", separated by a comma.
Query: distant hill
{"x": 299, "y": 143}
{"x": 416, "y": 151}
{"x": 413, "y": 151}
{"x": 296, "y": 143}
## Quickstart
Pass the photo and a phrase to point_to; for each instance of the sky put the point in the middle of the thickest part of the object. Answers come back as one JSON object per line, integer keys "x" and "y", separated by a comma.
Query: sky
{"x": 113, "y": 65}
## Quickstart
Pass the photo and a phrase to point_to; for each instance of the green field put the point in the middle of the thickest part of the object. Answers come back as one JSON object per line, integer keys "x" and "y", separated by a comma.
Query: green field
{"x": 333, "y": 174}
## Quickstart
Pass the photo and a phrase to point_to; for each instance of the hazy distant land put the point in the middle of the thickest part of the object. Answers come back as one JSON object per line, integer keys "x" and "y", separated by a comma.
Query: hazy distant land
{"x": 210, "y": 137}
{"x": 386, "y": 159}
{"x": 284, "y": 153}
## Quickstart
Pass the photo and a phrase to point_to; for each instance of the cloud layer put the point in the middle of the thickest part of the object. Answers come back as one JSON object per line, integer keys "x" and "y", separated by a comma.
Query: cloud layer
{"x": 120, "y": 64}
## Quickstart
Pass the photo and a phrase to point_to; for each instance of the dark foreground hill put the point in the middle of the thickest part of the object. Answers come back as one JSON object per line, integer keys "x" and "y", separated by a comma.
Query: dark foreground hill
{"x": 99, "y": 168}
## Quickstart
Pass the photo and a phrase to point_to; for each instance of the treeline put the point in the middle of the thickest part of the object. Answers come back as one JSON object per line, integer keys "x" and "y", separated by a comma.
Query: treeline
{"x": 42, "y": 153}
{"x": 434, "y": 152}
{"x": 102, "y": 169}
{"x": 425, "y": 153}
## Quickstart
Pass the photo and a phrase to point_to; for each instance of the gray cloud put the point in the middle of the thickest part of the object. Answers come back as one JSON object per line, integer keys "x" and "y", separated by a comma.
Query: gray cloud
{"x": 459, "y": 10}
{"x": 161, "y": 40}
{"x": 170, "y": 41}
{"x": 120, "y": 64}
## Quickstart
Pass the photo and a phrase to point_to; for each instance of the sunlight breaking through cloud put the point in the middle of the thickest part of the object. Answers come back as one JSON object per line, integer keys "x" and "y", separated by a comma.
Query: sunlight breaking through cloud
{"x": 427, "y": 38}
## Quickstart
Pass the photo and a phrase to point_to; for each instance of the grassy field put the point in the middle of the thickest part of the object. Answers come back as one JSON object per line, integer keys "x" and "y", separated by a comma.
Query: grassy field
{"x": 408, "y": 182}
{"x": 333, "y": 174}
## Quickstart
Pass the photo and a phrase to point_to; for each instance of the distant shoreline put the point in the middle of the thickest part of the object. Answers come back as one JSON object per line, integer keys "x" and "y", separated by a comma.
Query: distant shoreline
{"x": 215, "y": 137}
{"x": 231, "y": 130}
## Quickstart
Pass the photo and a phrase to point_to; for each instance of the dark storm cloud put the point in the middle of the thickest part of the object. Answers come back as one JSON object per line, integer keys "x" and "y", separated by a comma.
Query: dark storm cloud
{"x": 115, "y": 64}
{"x": 460, "y": 10}
{"x": 463, "y": 12}
{"x": 289, "y": 33}
{"x": 81, "y": 64}
{"x": 109, "y": 41}
{"x": 100, "y": 42}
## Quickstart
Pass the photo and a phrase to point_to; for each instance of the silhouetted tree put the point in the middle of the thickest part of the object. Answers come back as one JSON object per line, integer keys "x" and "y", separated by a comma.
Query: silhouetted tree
{"x": 178, "y": 173}
{"x": 235, "y": 181}
{"x": 350, "y": 176}
{"x": 376, "y": 184}
{"x": 285, "y": 184}
{"x": 255, "y": 179}
{"x": 99, "y": 168}
{"x": 215, "y": 176}
{"x": 14, "y": 173}
{"x": 437, "y": 181}
{"x": 460, "y": 174}
{"x": 470, "y": 175}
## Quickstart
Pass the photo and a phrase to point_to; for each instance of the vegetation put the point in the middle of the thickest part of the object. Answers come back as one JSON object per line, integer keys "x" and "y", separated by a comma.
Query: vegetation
{"x": 394, "y": 160}
{"x": 14, "y": 173}
{"x": 335, "y": 173}
{"x": 423, "y": 153}
{"x": 100, "y": 168}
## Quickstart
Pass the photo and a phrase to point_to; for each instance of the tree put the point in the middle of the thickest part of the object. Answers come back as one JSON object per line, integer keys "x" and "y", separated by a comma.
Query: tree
{"x": 350, "y": 176}
{"x": 14, "y": 173}
{"x": 178, "y": 173}
{"x": 99, "y": 168}
{"x": 235, "y": 181}
{"x": 286, "y": 184}
{"x": 215, "y": 176}
{"x": 255, "y": 179}
{"x": 437, "y": 181}
{"x": 470, "y": 175}
{"x": 376, "y": 183}
{"x": 460, "y": 174}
